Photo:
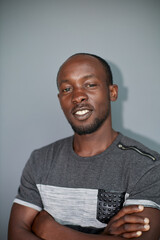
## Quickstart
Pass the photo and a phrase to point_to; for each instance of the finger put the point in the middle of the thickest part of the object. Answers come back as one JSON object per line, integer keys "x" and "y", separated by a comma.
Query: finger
{"x": 133, "y": 228}
{"x": 128, "y": 228}
{"x": 129, "y": 210}
{"x": 130, "y": 219}
{"x": 132, "y": 235}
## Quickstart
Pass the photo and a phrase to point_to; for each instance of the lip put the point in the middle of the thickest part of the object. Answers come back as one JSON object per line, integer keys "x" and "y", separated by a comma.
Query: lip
{"x": 84, "y": 116}
{"x": 82, "y": 108}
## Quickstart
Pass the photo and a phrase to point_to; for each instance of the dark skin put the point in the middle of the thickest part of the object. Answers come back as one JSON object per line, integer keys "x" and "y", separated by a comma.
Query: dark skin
{"x": 82, "y": 86}
{"x": 27, "y": 223}
{"x": 48, "y": 229}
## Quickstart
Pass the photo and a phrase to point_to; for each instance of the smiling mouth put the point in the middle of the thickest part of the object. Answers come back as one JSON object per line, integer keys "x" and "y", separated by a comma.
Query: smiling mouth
{"x": 82, "y": 111}
{"x": 83, "y": 114}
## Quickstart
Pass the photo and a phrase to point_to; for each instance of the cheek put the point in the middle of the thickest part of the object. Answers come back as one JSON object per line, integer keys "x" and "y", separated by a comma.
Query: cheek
{"x": 99, "y": 98}
{"x": 101, "y": 103}
{"x": 65, "y": 105}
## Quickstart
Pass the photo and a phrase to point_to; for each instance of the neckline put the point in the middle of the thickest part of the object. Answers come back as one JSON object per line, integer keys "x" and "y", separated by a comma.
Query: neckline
{"x": 100, "y": 155}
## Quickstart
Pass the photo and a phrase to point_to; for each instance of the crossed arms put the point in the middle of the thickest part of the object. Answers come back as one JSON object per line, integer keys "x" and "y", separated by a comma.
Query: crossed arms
{"x": 28, "y": 224}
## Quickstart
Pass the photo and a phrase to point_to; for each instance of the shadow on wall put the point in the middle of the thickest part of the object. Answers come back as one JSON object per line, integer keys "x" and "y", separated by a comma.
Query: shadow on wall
{"x": 117, "y": 111}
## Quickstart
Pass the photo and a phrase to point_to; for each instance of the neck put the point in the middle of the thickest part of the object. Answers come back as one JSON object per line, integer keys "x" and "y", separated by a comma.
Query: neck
{"x": 94, "y": 143}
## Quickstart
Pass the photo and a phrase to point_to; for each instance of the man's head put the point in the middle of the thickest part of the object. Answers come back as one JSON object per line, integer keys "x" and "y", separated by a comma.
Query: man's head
{"x": 85, "y": 91}
{"x": 107, "y": 69}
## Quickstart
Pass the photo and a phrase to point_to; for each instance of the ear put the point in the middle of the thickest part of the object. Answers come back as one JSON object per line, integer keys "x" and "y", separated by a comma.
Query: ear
{"x": 113, "y": 91}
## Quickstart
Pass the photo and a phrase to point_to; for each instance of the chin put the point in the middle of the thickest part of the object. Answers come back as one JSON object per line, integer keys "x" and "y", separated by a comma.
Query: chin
{"x": 89, "y": 128}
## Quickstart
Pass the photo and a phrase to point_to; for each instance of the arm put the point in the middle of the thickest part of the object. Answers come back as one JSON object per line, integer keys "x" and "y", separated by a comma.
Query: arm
{"x": 154, "y": 219}
{"x": 45, "y": 226}
{"x": 128, "y": 223}
{"x": 20, "y": 223}
{"x": 154, "y": 216}
{"x": 48, "y": 229}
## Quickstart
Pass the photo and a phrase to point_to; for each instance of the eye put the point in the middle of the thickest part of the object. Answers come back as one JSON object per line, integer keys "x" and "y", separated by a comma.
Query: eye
{"x": 68, "y": 89}
{"x": 91, "y": 85}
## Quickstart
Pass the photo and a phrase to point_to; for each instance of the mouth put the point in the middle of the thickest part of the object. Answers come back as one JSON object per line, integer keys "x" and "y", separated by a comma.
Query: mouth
{"x": 82, "y": 113}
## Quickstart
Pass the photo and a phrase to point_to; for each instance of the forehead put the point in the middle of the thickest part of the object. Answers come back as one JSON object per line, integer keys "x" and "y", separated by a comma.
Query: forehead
{"x": 81, "y": 66}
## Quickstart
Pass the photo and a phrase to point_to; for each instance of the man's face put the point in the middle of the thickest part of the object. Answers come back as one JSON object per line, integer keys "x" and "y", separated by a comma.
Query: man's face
{"x": 84, "y": 93}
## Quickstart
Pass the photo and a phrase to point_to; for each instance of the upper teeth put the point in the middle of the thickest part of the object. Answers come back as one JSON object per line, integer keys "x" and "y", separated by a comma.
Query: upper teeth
{"x": 82, "y": 112}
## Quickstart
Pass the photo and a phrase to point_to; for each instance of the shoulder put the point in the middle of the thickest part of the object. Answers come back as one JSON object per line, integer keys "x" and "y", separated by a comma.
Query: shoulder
{"x": 45, "y": 155}
{"x": 142, "y": 175}
{"x": 55, "y": 146}
{"x": 137, "y": 150}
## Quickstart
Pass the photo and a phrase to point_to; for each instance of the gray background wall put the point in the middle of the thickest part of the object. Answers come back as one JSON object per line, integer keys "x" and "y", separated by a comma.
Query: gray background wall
{"x": 36, "y": 36}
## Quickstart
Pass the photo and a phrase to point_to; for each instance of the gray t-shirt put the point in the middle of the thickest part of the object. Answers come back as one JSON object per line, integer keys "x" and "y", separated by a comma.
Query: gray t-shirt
{"x": 85, "y": 192}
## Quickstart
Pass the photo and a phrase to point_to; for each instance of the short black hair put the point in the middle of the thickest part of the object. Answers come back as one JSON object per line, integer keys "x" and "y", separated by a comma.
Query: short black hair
{"x": 105, "y": 64}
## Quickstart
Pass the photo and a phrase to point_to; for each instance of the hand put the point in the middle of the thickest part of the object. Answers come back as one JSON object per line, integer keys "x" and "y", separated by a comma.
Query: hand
{"x": 127, "y": 224}
{"x": 42, "y": 223}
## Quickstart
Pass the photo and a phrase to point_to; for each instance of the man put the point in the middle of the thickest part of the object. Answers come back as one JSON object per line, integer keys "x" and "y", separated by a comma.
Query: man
{"x": 97, "y": 184}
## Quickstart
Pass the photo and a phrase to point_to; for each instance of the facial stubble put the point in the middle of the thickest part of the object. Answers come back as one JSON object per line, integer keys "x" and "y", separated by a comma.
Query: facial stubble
{"x": 92, "y": 127}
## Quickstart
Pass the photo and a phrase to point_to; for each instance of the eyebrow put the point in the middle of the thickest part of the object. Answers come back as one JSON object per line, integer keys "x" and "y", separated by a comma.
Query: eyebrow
{"x": 85, "y": 77}
{"x": 63, "y": 81}
{"x": 89, "y": 76}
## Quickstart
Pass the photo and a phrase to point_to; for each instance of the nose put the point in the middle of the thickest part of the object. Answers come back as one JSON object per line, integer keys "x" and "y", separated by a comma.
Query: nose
{"x": 79, "y": 96}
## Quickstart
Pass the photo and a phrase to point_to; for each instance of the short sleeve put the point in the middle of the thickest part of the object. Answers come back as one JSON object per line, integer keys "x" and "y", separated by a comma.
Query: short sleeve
{"x": 28, "y": 194}
{"x": 146, "y": 190}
